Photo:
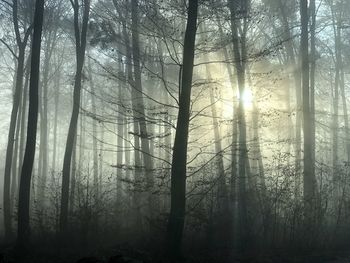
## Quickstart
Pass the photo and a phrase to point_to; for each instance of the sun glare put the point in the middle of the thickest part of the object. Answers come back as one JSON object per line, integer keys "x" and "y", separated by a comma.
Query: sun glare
{"x": 227, "y": 104}
{"x": 247, "y": 98}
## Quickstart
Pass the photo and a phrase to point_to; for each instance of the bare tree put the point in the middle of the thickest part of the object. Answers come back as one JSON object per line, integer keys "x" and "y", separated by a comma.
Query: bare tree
{"x": 21, "y": 45}
{"x": 80, "y": 46}
{"x": 28, "y": 161}
{"x": 309, "y": 165}
{"x": 178, "y": 168}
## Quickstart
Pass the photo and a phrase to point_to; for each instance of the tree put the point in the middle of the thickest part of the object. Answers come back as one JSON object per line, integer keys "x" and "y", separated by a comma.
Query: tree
{"x": 178, "y": 168}
{"x": 137, "y": 94}
{"x": 238, "y": 12}
{"x": 309, "y": 166}
{"x": 21, "y": 44}
{"x": 27, "y": 167}
{"x": 80, "y": 46}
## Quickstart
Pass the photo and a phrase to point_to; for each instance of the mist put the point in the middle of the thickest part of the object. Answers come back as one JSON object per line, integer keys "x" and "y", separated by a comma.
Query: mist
{"x": 174, "y": 131}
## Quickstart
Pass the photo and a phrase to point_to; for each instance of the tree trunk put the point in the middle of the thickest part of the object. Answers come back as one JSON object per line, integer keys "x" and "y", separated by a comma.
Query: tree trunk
{"x": 137, "y": 95}
{"x": 44, "y": 127}
{"x": 24, "y": 190}
{"x": 17, "y": 95}
{"x": 178, "y": 169}
{"x": 94, "y": 135}
{"x": 239, "y": 51}
{"x": 309, "y": 166}
{"x": 15, "y": 158}
{"x": 222, "y": 196}
{"x": 234, "y": 171}
{"x": 10, "y": 144}
{"x": 137, "y": 156}
{"x": 55, "y": 122}
{"x": 23, "y": 122}
{"x": 335, "y": 119}
{"x": 74, "y": 178}
{"x": 293, "y": 63}
{"x": 312, "y": 10}
{"x": 80, "y": 38}
{"x": 120, "y": 138}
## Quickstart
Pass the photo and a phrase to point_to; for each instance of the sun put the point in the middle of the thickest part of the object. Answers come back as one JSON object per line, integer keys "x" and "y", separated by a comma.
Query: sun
{"x": 247, "y": 98}
{"x": 227, "y": 104}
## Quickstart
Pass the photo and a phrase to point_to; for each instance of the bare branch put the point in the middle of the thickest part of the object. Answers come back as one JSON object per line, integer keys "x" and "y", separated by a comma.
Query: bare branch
{"x": 9, "y": 48}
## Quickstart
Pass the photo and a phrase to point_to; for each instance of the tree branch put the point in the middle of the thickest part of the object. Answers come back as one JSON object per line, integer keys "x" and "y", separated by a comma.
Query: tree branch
{"x": 9, "y": 48}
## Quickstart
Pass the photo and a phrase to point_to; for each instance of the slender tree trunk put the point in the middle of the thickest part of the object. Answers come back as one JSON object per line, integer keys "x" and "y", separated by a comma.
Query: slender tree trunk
{"x": 94, "y": 135}
{"x": 309, "y": 166}
{"x": 23, "y": 120}
{"x": 75, "y": 177}
{"x": 222, "y": 196}
{"x": 222, "y": 188}
{"x": 127, "y": 168}
{"x": 345, "y": 112}
{"x": 120, "y": 134}
{"x": 234, "y": 171}
{"x": 15, "y": 158}
{"x": 17, "y": 95}
{"x": 24, "y": 190}
{"x": 101, "y": 150}
{"x": 137, "y": 157}
{"x": 10, "y": 144}
{"x": 335, "y": 102}
{"x": 44, "y": 127}
{"x": 21, "y": 142}
{"x": 178, "y": 169}
{"x": 55, "y": 122}
{"x": 166, "y": 143}
{"x": 137, "y": 95}
{"x": 312, "y": 10}
{"x": 239, "y": 51}
{"x": 80, "y": 38}
{"x": 293, "y": 63}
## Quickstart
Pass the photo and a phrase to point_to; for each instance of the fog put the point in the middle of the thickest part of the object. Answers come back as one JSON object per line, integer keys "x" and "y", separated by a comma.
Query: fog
{"x": 174, "y": 131}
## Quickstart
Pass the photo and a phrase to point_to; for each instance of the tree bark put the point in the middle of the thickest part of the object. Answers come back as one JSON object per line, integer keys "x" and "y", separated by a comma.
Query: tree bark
{"x": 137, "y": 95}
{"x": 44, "y": 122}
{"x": 335, "y": 100}
{"x": 312, "y": 10}
{"x": 26, "y": 174}
{"x": 13, "y": 120}
{"x": 137, "y": 156}
{"x": 178, "y": 168}
{"x": 55, "y": 122}
{"x": 309, "y": 166}
{"x": 80, "y": 38}
{"x": 94, "y": 135}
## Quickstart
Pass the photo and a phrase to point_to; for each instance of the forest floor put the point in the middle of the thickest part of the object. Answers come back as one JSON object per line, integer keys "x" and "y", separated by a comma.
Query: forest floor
{"x": 143, "y": 257}
{"x": 129, "y": 254}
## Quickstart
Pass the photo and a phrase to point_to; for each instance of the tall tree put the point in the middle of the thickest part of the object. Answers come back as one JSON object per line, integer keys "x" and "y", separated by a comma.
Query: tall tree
{"x": 21, "y": 45}
{"x": 94, "y": 132}
{"x": 309, "y": 166}
{"x": 312, "y": 11}
{"x": 178, "y": 168}
{"x": 336, "y": 22}
{"x": 26, "y": 174}
{"x": 50, "y": 42}
{"x": 80, "y": 46}
{"x": 137, "y": 95}
{"x": 239, "y": 11}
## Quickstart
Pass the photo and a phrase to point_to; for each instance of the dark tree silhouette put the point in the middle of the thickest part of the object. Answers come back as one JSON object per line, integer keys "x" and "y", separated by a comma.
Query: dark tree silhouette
{"x": 22, "y": 44}
{"x": 178, "y": 169}
{"x": 80, "y": 45}
{"x": 28, "y": 160}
